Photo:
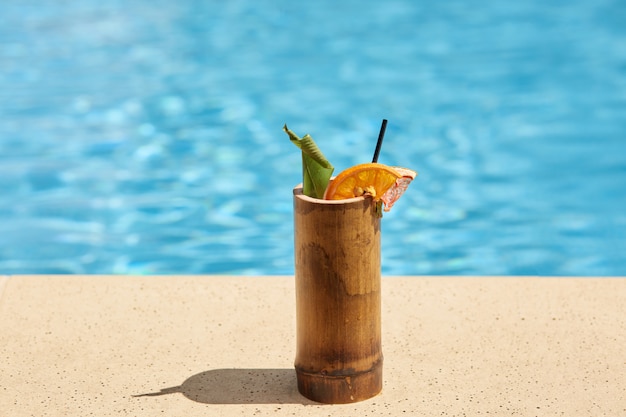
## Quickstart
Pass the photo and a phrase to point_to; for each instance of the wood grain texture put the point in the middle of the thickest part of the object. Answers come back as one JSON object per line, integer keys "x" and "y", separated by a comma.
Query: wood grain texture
{"x": 338, "y": 305}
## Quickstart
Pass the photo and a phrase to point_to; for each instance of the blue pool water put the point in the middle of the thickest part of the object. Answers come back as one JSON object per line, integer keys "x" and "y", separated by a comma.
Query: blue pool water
{"x": 145, "y": 137}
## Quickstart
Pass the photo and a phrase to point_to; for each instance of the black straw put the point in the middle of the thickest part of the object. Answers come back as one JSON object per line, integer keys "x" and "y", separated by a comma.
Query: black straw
{"x": 379, "y": 143}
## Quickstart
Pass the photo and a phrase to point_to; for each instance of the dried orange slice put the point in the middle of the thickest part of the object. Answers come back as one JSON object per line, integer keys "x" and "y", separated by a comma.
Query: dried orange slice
{"x": 373, "y": 179}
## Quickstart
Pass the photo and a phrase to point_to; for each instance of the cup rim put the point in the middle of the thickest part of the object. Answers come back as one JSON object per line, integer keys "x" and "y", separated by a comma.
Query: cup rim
{"x": 297, "y": 192}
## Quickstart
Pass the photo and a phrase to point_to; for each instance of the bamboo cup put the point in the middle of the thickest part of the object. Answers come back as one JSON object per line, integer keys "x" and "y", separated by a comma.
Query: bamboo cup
{"x": 338, "y": 312}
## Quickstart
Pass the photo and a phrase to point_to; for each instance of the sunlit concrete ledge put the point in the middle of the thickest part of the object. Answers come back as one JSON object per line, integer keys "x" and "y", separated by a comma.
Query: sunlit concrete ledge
{"x": 224, "y": 346}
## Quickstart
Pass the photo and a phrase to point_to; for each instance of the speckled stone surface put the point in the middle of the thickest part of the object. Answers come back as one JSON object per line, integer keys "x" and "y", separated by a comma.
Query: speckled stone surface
{"x": 224, "y": 346}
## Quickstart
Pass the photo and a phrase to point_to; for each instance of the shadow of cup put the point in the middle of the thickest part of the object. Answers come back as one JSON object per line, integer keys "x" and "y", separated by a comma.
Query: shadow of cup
{"x": 239, "y": 386}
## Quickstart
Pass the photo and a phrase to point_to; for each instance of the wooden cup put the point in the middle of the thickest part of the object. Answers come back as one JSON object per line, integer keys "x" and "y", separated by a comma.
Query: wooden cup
{"x": 338, "y": 313}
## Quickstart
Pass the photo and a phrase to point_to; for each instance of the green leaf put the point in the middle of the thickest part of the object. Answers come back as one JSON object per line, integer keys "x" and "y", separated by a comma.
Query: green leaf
{"x": 316, "y": 170}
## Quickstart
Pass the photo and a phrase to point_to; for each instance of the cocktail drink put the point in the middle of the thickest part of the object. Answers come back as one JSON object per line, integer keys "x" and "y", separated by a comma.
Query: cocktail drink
{"x": 338, "y": 280}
